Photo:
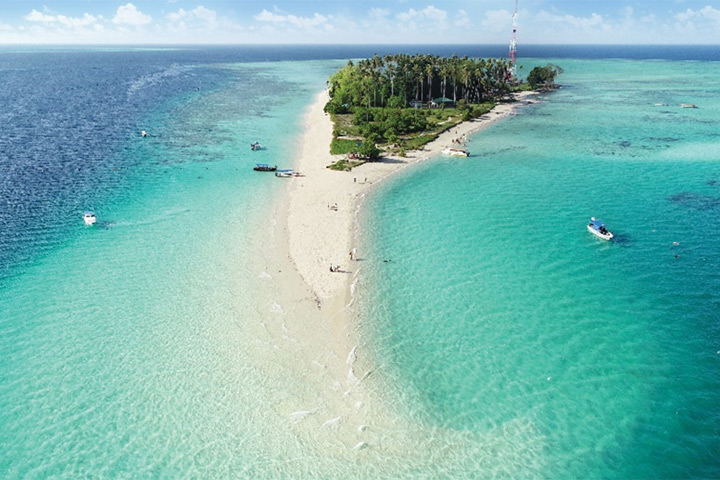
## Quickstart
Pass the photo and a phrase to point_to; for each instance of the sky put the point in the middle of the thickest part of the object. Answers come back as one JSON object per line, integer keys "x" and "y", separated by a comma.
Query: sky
{"x": 359, "y": 21}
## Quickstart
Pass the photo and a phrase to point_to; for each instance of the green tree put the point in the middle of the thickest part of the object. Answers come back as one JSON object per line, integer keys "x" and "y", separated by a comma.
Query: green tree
{"x": 369, "y": 150}
{"x": 543, "y": 77}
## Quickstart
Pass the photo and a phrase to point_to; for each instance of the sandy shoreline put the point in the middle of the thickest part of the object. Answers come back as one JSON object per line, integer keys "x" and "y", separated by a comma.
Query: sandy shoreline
{"x": 306, "y": 337}
{"x": 320, "y": 235}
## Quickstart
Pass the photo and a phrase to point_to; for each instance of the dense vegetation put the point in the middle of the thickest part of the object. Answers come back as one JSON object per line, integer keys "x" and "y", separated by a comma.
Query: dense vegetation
{"x": 403, "y": 101}
{"x": 543, "y": 77}
{"x": 396, "y": 80}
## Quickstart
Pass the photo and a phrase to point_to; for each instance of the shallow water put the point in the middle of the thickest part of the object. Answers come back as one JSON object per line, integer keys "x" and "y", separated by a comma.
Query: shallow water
{"x": 503, "y": 338}
{"x": 498, "y": 306}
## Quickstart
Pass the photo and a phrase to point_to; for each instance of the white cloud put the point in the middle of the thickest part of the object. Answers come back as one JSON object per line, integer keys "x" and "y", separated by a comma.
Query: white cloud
{"x": 379, "y": 13}
{"x": 427, "y": 13}
{"x": 128, "y": 14}
{"x": 462, "y": 19}
{"x": 706, "y": 13}
{"x": 395, "y": 22}
{"x": 594, "y": 20}
{"x": 36, "y": 16}
{"x": 304, "y": 22}
{"x": 199, "y": 13}
{"x": 85, "y": 20}
{"x": 204, "y": 14}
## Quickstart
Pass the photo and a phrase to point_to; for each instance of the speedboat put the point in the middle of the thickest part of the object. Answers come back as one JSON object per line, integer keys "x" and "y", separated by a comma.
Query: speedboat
{"x": 255, "y": 146}
{"x": 597, "y": 228}
{"x": 688, "y": 105}
{"x": 264, "y": 167}
{"x": 456, "y": 152}
{"x": 89, "y": 218}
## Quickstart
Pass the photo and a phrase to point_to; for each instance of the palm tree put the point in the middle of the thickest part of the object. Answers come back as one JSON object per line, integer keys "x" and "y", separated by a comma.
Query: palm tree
{"x": 430, "y": 72}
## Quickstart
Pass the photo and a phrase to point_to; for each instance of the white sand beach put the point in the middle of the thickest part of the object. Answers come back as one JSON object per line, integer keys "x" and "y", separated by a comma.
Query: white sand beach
{"x": 307, "y": 340}
{"x": 320, "y": 235}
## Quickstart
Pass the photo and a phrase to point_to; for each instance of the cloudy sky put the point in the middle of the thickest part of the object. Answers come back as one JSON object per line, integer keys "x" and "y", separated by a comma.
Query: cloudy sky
{"x": 358, "y": 21}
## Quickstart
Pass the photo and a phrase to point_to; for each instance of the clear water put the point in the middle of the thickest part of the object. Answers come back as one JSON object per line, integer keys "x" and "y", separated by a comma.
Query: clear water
{"x": 499, "y": 308}
{"x": 507, "y": 340}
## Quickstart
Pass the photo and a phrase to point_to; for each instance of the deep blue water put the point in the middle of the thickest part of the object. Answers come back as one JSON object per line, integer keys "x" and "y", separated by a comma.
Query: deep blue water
{"x": 66, "y": 113}
{"x": 274, "y": 53}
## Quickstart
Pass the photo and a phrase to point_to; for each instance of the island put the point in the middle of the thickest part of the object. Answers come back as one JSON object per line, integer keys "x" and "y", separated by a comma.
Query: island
{"x": 398, "y": 108}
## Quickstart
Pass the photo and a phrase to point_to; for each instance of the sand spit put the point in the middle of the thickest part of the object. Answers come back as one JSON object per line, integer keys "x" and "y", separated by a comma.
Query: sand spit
{"x": 322, "y": 205}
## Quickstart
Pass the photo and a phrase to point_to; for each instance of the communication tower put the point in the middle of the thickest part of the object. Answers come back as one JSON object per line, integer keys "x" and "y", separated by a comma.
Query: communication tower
{"x": 513, "y": 44}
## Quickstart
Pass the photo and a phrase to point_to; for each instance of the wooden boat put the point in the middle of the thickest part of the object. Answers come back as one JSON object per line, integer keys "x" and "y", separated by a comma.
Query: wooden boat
{"x": 264, "y": 167}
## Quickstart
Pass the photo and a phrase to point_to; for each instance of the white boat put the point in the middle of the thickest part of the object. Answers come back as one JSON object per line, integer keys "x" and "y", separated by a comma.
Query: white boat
{"x": 89, "y": 218}
{"x": 255, "y": 146}
{"x": 597, "y": 228}
{"x": 288, "y": 174}
{"x": 688, "y": 105}
{"x": 456, "y": 152}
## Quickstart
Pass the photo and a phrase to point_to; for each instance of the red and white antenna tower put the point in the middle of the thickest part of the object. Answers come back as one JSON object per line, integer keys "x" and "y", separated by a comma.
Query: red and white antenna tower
{"x": 513, "y": 44}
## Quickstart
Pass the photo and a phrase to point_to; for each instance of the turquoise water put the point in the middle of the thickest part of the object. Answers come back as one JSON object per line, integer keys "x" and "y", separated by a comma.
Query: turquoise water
{"x": 504, "y": 339}
{"x": 498, "y": 308}
{"x": 121, "y": 347}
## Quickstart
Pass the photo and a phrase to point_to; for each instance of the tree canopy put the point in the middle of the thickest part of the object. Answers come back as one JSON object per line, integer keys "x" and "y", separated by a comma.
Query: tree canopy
{"x": 543, "y": 77}
{"x": 375, "y": 100}
{"x": 396, "y": 80}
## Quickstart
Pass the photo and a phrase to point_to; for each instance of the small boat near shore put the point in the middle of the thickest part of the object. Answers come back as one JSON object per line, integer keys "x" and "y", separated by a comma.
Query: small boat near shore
{"x": 264, "y": 167}
{"x": 288, "y": 174}
{"x": 456, "y": 152}
{"x": 597, "y": 228}
{"x": 688, "y": 105}
{"x": 89, "y": 218}
{"x": 255, "y": 146}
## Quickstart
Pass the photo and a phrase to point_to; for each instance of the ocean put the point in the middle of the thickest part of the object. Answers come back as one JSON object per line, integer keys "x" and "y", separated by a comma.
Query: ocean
{"x": 508, "y": 340}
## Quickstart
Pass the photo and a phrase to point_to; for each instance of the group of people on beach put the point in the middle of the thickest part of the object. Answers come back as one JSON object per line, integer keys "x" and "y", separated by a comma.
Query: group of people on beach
{"x": 336, "y": 268}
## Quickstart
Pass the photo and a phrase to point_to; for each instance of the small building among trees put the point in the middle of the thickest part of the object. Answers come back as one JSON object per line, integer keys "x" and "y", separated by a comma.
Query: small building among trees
{"x": 442, "y": 102}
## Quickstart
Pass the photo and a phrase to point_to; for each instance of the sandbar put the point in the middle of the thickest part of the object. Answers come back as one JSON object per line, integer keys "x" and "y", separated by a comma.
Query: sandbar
{"x": 323, "y": 205}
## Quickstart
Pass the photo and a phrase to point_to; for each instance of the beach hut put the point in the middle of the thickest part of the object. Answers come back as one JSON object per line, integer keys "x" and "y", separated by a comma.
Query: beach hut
{"x": 443, "y": 102}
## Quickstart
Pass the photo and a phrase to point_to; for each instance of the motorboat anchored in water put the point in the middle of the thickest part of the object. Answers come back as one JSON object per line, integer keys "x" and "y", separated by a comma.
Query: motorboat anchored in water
{"x": 255, "y": 146}
{"x": 89, "y": 218}
{"x": 264, "y": 167}
{"x": 456, "y": 152}
{"x": 597, "y": 228}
